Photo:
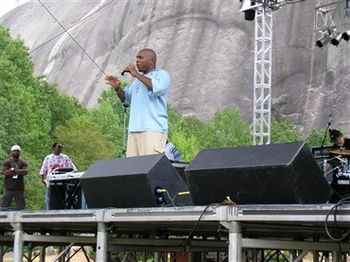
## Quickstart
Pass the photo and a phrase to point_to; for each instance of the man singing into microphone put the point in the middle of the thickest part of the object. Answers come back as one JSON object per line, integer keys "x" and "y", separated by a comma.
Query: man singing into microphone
{"x": 147, "y": 98}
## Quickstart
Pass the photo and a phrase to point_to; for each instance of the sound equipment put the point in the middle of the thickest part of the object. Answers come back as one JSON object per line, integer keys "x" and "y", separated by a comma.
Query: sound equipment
{"x": 180, "y": 169}
{"x": 265, "y": 174}
{"x": 144, "y": 181}
{"x": 321, "y": 153}
{"x": 65, "y": 191}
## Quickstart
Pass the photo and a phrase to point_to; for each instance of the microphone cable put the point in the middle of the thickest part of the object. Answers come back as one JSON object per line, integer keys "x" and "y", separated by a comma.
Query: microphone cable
{"x": 79, "y": 22}
{"x": 293, "y": 2}
{"x": 75, "y": 41}
{"x": 192, "y": 231}
{"x": 340, "y": 237}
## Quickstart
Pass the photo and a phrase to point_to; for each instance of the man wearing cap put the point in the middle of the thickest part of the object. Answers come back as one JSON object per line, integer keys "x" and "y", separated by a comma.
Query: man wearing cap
{"x": 14, "y": 169}
{"x": 51, "y": 162}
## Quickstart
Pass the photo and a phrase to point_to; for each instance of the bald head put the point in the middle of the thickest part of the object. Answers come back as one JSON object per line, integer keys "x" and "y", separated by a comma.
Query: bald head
{"x": 146, "y": 60}
{"x": 150, "y": 52}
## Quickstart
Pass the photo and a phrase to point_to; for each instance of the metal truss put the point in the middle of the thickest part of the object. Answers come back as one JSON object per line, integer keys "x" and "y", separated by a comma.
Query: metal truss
{"x": 324, "y": 18}
{"x": 262, "y": 68}
{"x": 262, "y": 77}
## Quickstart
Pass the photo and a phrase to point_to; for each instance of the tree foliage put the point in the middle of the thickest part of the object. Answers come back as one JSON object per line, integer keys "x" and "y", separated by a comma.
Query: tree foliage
{"x": 317, "y": 138}
{"x": 284, "y": 131}
{"x": 84, "y": 141}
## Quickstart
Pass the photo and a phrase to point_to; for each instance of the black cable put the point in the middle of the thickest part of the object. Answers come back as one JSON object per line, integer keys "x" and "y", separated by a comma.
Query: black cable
{"x": 183, "y": 204}
{"x": 73, "y": 39}
{"x": 81, "y": 21}
{"x": 333, "y": 211}
{"x": 192, "y": 231}
{"x": 294, "y": 2}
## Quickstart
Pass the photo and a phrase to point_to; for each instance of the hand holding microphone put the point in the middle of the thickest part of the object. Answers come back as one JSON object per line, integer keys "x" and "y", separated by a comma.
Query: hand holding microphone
{"x": 131, "y": 69}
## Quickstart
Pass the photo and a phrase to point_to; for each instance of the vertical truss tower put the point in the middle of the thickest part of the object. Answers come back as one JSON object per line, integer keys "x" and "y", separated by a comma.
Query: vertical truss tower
{"x": 262, "y": 76}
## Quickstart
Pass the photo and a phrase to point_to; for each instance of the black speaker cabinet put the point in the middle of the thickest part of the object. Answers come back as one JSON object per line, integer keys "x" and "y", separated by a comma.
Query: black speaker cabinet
{"x": 266, "y": 174}
{"x": 133, "y": 182}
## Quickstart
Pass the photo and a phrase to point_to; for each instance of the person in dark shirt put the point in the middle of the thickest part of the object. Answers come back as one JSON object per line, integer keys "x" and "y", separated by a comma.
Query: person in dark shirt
{"x": 341, "y": 149}
{"x": 14, "y": 169}
{"x": 338, "y": 166}
{"x": 338, "y": 139}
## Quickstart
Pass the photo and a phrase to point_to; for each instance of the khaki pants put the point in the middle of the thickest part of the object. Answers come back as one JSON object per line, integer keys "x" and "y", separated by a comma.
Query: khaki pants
{"x": 145, "y": 143}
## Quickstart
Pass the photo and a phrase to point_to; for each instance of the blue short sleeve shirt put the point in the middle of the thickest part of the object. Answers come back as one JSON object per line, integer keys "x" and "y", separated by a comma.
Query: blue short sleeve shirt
{"x": 148, "y": 109}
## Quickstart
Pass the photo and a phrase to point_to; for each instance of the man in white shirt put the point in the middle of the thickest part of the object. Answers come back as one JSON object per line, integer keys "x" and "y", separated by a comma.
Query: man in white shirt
{"x": 52, "y": 162}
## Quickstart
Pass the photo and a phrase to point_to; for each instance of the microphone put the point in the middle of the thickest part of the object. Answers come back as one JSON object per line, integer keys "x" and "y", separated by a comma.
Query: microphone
{"x": 124, "y": 71}
{"x": 330, "y": 119}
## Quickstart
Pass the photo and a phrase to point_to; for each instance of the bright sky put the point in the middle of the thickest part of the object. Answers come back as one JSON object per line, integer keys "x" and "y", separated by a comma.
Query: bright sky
{"x": 7, "y": 5}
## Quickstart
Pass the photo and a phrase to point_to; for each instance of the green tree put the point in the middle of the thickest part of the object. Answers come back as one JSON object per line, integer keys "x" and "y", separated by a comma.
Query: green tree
{"x": 316, "y": 138}
{"x": 23, "y": 119}
{"x": 284, "y": 131}
{"x": 61, "y": 107}
{"x": 191, "y": 135}
{"x": 112, "y": 116}
{"x": 188, "y": 145}
{"x": 84, "y": 141}
{"x": 227, "y": 129}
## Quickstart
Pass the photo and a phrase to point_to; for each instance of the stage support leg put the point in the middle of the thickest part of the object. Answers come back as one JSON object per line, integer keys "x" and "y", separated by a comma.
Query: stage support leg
{"x": 336, "y": 256}
{"x": 18, "y": 242}
{"x": 235, "y": 242}
{"x": 30, "y": 251}
{"x": 1, "y": 253}
{"x": 189, "y": 257}
{"x": 42, "y": 254}
{"x": 144, "y": 256}
{"x": 156, "y": 256}
{"x": 101, "y": 243}
{"x": 61, "y": 256}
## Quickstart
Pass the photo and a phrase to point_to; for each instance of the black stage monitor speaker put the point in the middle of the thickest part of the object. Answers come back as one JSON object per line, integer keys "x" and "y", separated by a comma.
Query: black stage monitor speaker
{"x": 133, "y": 182}
{"x": 266, "y": 174}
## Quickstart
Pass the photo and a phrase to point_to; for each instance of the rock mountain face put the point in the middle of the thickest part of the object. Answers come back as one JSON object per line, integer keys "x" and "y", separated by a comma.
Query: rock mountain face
{"x": 206, "y": 45}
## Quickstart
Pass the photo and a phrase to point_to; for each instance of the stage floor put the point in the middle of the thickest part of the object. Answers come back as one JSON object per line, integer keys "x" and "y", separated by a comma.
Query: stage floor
{"x": 215, "y": 228}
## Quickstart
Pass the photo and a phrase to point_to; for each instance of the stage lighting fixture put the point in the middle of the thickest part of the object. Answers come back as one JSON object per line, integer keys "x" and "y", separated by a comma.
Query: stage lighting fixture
{"x": 325, "y": 39}
{"x": 248, "y": 7}
{"x": 336, "y": 40}
{"x": 249, "y": 14}
{"x": 346, "y": 35}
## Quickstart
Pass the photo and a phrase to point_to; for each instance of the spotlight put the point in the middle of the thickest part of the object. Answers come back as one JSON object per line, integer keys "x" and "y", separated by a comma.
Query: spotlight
{"x": 336, "y": 40}
{"x": 325, "y": 39}
{"x": 249, "y": 7}
{"x": 346, "y": 35}
{"x": 246, "y": 7}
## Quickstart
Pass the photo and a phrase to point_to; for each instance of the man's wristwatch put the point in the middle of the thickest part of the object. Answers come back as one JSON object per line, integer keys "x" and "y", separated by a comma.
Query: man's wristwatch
{"x": 12, "y": 169}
